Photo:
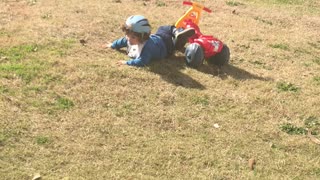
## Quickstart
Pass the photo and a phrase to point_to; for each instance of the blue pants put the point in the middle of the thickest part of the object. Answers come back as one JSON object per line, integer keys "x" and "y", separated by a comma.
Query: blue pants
{"x": 166, "y": 33}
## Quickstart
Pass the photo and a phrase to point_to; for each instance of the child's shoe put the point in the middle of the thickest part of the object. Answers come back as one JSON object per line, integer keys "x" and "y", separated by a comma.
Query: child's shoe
{"x": 181, "y": 38}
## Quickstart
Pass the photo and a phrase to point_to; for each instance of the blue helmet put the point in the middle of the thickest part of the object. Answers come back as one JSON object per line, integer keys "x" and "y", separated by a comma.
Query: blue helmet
{"x": 194, "y": 55}
{"x": 138, "y": 24}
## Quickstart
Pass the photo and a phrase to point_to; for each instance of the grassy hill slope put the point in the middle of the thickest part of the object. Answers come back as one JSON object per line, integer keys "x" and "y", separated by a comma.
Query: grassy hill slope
{"x": 67, "y": 111}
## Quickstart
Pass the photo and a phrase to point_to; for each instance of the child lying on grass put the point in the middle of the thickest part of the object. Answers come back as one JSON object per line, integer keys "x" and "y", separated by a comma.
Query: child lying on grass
{"x": 142, "y": 46}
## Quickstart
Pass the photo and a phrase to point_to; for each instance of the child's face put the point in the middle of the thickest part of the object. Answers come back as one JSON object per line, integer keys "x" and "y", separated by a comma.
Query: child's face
{"x": 133, "y": 40}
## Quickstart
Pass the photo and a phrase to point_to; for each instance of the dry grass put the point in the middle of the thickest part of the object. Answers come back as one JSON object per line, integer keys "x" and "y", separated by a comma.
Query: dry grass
{"x": 69, "y": 112}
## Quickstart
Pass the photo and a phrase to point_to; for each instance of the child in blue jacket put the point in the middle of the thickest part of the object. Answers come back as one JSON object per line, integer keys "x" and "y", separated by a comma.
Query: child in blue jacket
{"x": 142, "y": 46}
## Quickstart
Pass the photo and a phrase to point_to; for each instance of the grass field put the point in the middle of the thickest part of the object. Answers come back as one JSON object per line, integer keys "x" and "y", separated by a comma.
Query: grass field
{"x": 68, "y": 111}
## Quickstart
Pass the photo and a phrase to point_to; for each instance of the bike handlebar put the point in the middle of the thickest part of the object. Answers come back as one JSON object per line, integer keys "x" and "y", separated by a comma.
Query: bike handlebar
{"x": 191, "y": 4}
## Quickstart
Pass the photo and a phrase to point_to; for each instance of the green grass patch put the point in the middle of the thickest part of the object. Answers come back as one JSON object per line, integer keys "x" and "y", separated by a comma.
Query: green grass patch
{"x": 47, "y": 105}
{"x": 317, "y": 80}
{"x": 21, "y": 62}
{"x": 35, "y": 88}
{"x": 312, "y": 122}
{"x": 24, "y": 61}
{"x": 281, "y": 2}
{"x": 257, "y": 40}
{"x": 27, "y": 72}
{"x": 59, "y": 48}
{"x": 157, "y": 122}
{"x": 280, "y": 46}
{"x": 316, "y": 171}
{"x": 66, "y": 43}
{"x": 316, "y": 60}
{"x": 245, "y": 46}
{"x": 160, "y": 3}
{"x": 46, "y": 16}
{"x": 291, "y": 2}
{"x": 51, "y": 78}
{"x": 64, "y": 103}
{"x": 41, "y": 140}
{"x": 4, "y": 89}
{"x": 292, "y": 129}
{"x": 4, "y": 33}
{"x": 234, "y": 3}
{"x": 261, "y": 64}
{"x": 200, "y": 100}
{"x": 315, "y": 45}
{"x": 124, "y": 110}
{"x": 17, "y": 53}
{"x": 302, "y": 51}
{"x": 284, "y": 86}
{"x": 263, "y": 20}
{"x": 13, "y": 130}
{"x": 257, "y": 62}
{"x": 32, "y": 2}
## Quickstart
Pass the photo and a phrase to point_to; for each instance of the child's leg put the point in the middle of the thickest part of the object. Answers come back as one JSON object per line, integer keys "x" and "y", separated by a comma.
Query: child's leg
{"x": 181, "y": 37}
{"x": 166, "y": 33}
{"x": 174, "y": 38}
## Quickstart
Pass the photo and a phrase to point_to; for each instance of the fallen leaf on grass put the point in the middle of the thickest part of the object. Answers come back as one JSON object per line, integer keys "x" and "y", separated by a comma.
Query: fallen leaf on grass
{"x": 216, "y": 125}
{"x": 313, "y": 139}
{"x": 252, "y": 163}
{"x": 36, "y": 177}
{"x": 82, "y": 41}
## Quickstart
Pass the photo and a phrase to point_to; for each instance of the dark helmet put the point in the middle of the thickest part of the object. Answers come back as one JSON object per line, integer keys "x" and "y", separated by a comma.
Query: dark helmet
{"x": 194, "y": 55}
{"x": 138, "y": 24}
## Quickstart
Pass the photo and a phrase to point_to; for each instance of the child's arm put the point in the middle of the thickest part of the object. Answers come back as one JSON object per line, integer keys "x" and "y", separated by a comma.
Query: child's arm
{"x": 119, "y": 43}
{"x": 142, "y": 60}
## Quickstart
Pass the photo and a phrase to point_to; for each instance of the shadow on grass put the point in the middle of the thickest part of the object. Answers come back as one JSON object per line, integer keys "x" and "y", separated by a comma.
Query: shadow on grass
{"x": 230, "y": 70}
{"x": 169, "y": 70}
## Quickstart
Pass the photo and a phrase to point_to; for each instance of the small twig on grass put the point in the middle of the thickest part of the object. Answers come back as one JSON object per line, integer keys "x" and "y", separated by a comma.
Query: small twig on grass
{"x": 313, "y": 139}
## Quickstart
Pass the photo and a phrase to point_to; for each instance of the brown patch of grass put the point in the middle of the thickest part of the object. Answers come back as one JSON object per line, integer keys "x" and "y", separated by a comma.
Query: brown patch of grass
{"x": 68, "y": 111}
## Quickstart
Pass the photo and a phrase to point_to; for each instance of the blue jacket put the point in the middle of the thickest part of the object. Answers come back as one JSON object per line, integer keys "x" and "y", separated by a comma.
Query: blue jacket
{"x": 153, "y": 49}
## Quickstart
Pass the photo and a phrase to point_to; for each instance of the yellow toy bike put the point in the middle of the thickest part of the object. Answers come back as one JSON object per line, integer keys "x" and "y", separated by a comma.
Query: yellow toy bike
{"x": 193, "y": 14}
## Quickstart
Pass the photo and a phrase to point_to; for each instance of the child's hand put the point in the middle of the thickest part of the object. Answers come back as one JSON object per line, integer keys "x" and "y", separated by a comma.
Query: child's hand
{"x": 121, "y": 62}
{"x": 107, "y": 45}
